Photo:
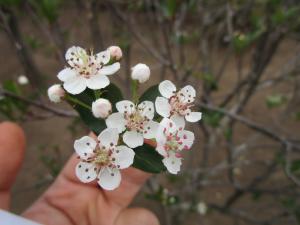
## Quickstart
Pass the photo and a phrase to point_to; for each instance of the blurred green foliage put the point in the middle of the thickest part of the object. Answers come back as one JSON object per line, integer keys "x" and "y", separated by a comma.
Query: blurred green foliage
{"x": 48, "y": 9}
{"x": 53, "y": 162}
{"x": 163, "y": 196}
{"x": 9, "y": 107}
{"x": 275, "y": 100}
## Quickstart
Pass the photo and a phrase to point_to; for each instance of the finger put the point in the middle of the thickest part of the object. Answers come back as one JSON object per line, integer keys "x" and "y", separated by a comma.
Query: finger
{"x": 136, "y": 216}
{"x": 132, "y": 181}
{"x": 12, "y": 145}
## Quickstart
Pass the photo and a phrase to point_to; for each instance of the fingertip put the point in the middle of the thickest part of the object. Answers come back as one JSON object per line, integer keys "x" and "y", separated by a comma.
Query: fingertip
{"x": 12, "y": 132}
{"x": 12, "y": 146}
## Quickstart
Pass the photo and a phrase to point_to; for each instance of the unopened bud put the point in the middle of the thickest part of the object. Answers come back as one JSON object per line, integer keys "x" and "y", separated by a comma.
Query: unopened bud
{"x": 140, "y": 72}
{"x": 115, "y": 52}
{"x": 56, "y": 93}
{"x": 101, "y": 108}
{"x": 23, "y": 80}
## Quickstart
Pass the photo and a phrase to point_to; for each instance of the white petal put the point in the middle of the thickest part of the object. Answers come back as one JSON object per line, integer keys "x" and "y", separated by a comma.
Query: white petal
{"x": 150, "y": 129}
{"x": 97, "y": 82}
{"x": 109, "y": 137}
{"x": 178, "y": 120}
{"x": 110, "y": 69}
{"x": 103, "y": 57}
{"x": 161, "y": 149}
{"x": 66, "y": 74}
{"x": 86, "y": 172}
{"x": 167, "y": 88}
{"x": 125, "y": 106}
{"x": 116, "y": 120}
{"x": 133, "y": 139}
{"x": 165, "y": 127}
{"x": 160, "y": 136}
{"x": 193, "y": 116}
{"x": 85, "y": 146}
{"x": 168, "y": 125}
{"x": 187, "y": 94}
{"x": 187, "y": 138}
{"x": 147, "y": 109}
{"x": 109, "y": 178}
{"x": 162, "y": 106}
{"x": 123, "y": 157}
{"x": 74, "y": 56}
{"x": 172, "y": 163}
{"x": 75, "y": 85}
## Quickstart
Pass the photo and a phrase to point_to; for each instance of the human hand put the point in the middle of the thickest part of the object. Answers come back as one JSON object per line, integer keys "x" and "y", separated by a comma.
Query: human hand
{"x": 68, "y": 201}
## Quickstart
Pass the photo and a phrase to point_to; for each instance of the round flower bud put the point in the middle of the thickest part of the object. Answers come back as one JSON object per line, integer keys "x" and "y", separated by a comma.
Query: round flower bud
{"x": 101, "y": 108}
{"x": 56, "y": 93}
{"x": 23, "y": 80}
{"x": 115, "y": 52}
{"x": 140, "y": 72}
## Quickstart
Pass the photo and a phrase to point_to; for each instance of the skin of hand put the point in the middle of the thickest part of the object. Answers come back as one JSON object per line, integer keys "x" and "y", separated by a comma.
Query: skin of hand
{"x": 68, "y": 201}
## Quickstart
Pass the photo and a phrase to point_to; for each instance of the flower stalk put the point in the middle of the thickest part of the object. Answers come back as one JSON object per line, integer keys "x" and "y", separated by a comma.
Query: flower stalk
{"x": 134, "y": 91}
{"x": 78, "y": 102}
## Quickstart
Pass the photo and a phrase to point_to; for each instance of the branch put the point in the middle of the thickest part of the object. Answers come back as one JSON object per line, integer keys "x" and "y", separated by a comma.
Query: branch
{"x": 58, "y": 112}
{"x": 247, "y": 122}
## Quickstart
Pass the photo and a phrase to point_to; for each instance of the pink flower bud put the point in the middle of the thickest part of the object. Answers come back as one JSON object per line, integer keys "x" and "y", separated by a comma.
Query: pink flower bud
{"x": 56, "y": 93}
{"x": 101, "y": 108}
{"x": 115, "y": 52}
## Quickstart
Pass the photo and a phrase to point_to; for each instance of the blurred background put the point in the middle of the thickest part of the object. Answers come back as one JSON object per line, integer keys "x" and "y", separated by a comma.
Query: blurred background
{"x": 243, "y": 58}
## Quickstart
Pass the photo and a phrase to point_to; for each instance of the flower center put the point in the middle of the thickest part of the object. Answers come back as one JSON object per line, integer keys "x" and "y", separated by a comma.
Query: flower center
{"x": 86, "y": 65}
{"x": 101, "y": 157}
{"x": 179, "y": 106}
{"x": 173, "y": 143}
{"x": 136, "y": 121}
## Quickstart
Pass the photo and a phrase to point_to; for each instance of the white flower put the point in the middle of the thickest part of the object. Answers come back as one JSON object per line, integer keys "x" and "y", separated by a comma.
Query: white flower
{"x": 115, "y": 52}
{"x": 101, "y": 108}
{"x": 176, "y": 104}
{"x": 201, "y": 208}
{"x": 140, "y": 72}
{"x": 102, "y": 159}
{"x": 56, "y": 93}
{"x": 86, "y": 70}
{"x": 137, "y": 120}
{"x": 171, "y": 141}
{"x": 23, "y": 80}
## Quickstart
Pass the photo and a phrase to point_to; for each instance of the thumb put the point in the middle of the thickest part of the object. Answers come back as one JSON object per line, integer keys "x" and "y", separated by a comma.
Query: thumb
{"x": 12, "y": 145}
{"x": 136, "y": 216}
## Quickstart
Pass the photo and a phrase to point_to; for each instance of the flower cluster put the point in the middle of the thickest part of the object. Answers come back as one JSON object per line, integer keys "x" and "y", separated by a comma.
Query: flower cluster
{"x": 129, "y": 123}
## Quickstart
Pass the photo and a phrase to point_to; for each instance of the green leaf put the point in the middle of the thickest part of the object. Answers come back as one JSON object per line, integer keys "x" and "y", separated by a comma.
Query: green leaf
{"x": 210, "y": 81}
{"x": 112, "y": 93}
{"x": 47, "y": 8}
{"x": 212, "y": 118}
{"x": 10, "y": 2}
{"x": 148, "y": 159}
{"x": 275, "y": 100}
{"x": 13, "y": 87}
{"x": 297, "y": 116}
{"x": 228, "y": 133}
{"x": 169, "y": 8}
{"x": 295, "y": 167}
{"x": 150, "y": 94}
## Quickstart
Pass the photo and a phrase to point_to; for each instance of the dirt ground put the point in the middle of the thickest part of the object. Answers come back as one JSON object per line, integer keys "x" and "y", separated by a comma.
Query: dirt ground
{"x": 46, "y": 135}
